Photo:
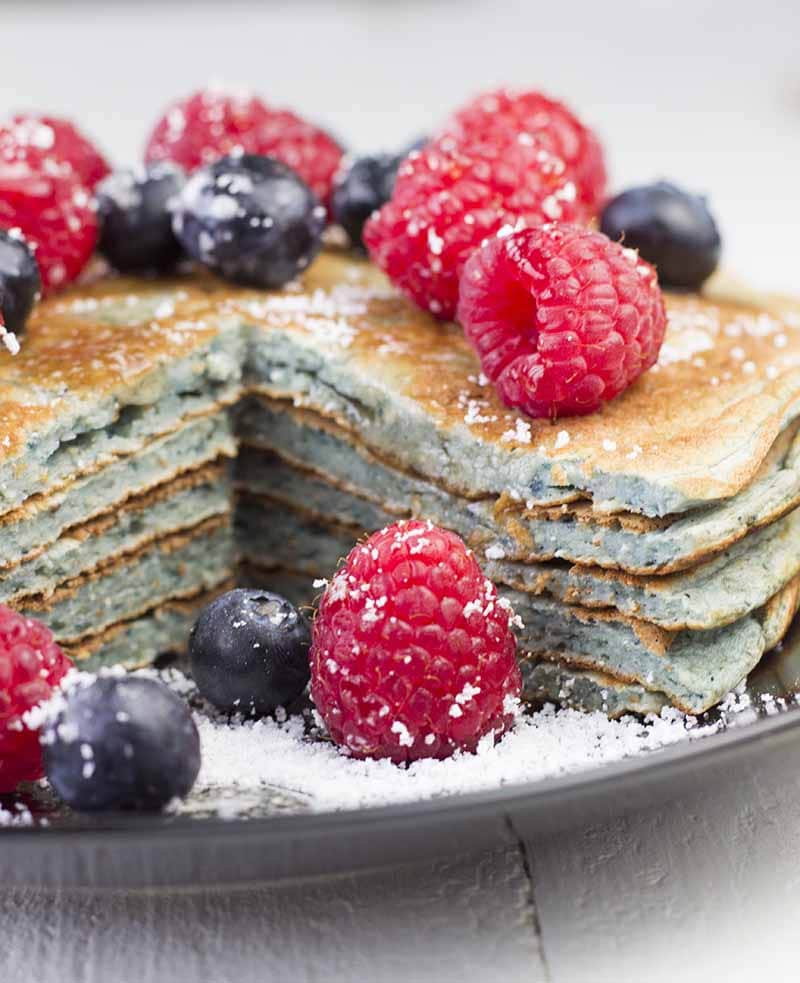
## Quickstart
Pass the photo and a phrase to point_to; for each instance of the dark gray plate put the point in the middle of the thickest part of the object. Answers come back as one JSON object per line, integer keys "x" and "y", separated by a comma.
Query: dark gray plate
{"x": 276, "y": 838}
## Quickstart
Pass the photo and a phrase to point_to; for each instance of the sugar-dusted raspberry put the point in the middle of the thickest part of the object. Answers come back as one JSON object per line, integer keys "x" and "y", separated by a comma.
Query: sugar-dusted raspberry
{"x": 309, "y": 150}
{"x": 412, "y": 654}
{"x": 563, "y": 319}
{"x": 205, "y": 126}
{"x": 56, "y": 216}
{"x": 555, "y": 126}
{"x": 31, "y": 666}
{"x": 448, "y": 199}
{"x": 211, "y": 124}
{"x": 52, "y": 145}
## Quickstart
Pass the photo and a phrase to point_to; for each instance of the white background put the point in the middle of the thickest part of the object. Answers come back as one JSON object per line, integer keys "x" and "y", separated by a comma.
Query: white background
{"x": 706, "y": 93}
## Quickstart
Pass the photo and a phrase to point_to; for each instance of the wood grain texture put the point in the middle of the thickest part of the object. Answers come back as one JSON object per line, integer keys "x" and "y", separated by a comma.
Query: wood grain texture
{"x": 471, "y": 915}
{"x": 710, "y": 882}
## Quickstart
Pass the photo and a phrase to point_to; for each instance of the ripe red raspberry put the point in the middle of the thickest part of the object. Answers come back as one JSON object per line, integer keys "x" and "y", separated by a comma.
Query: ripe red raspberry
{"x": 563, "y": 319}
{"x": 447, "y": 200}
{"x": 555, "y": 126}
{"x": 205, "y": 126}
{"x": 31, "y": 666}
{"x": 210, "y": 124}
{"x": 308, "y": 150}
{"x": 52, "y": 145}
{"x": 56, "y": 216}
{"x": 412, "y": 655}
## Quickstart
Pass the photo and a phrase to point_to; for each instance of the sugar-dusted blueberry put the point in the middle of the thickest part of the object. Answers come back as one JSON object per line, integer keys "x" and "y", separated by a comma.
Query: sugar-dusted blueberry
{"x": 250, "y": 219}
{"x": 121, "y": 743}
{"x": 133, "y": 207}
{"x": 249, "y": 652}
{"x": 363, "y": 186}
{"x": 20, "y": 283}
{"x": 670, "y": 227}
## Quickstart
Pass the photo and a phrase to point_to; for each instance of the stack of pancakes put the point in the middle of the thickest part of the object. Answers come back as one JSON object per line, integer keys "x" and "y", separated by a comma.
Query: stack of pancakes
{"x": 115, "y": 504}
{"x": 652, "y": 549}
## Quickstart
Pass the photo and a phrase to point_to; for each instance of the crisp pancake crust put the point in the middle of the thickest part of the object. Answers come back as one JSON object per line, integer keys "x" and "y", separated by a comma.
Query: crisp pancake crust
{"x": 696, "y": 427}
{"x": 693, "y": 430}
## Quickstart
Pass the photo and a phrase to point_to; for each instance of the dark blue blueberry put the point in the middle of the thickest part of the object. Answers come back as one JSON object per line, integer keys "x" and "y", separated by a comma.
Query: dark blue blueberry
{"x": 671, "y": 228}
{"x": 250, "y": 219}
{"x": 133, "y": 208}
{"x": 20, "y": 283}
{"x": 249, "y": 652}
{"x": 361, "y": 189}
{"x": 365, "y": 185}
{"x": 121, "y": 743}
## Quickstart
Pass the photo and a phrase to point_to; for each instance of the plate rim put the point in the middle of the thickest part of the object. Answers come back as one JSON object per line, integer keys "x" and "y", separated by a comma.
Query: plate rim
{"x": 648, "y": 766}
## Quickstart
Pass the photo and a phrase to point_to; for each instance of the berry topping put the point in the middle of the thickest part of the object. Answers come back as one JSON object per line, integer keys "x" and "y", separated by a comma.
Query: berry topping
{"x": 307, "y": 149}
{"x": 562, "y": 318}
{"x": 55, "y": 215}
{"x": 206, "y": 126}
{"x": 448, "y": 200}
{"x": 135, "y": 220}
{"x": 555, "y": 127}
{"x": 53, "y": 146}
{"x": 670, "y": 227}
{"x": 212, "y": 124}
{"x": 20, "y": 283}
{"x": 412, "y": 654}
{"x": 31, "y": 667}
{"x": 365, "y": 185}
{"x": 121, "y": 743}
{"x": 249, "y": 652}
{"x": 250, "y": 219}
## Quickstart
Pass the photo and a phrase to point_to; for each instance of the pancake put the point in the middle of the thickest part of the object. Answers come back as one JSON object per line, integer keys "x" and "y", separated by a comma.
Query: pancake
{"x": 544, "y": 681}
{"x": 710, "y": 595}
{"x": 582, "y": 689}
{"x": 652, "y": 548}
{"x": 573, "y": 532}
{"x": 137, "y": 643}
{"x": 174, "y": 567}
{"x": 694, "y": 669}
{"x": 103, "y": 371}
{"x": 691, "y": 432}
{"x": 175, "y": 506}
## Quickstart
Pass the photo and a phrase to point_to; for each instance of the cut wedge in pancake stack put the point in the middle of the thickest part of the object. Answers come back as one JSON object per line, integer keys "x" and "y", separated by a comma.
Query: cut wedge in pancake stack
{"x": 651, "y": 549}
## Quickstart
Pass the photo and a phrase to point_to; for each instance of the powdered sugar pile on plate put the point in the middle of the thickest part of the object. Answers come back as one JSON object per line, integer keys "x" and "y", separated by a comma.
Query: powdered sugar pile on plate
{"x": 243, "y": 758}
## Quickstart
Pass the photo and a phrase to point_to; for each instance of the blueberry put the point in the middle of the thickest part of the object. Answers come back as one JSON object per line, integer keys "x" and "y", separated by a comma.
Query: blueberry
{"x": 20, "y": 283}
{"x": 361, "y": 189}
{"x": 671, "y": 228}
{"x": 121, "y": 743}
{"x": 249, "y": 652}
{"x": 135, "y": 221}
{"x": 250, "y": 219}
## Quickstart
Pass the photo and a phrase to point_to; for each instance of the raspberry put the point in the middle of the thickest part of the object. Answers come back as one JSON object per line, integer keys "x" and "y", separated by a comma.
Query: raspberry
{"x": 52, "y": 145}
{"x": 563, "y": 319}
{"x": 308, "y": 150}
{"x": 211, "y": 124}
{"x": 206, "y": 126}
{"x": 31, "y": 666}
{"x": 448, "y": 199}
{"x": 412, "y": 655}
{"x": 55, "y": 215}
{"x": 555, "y": 127}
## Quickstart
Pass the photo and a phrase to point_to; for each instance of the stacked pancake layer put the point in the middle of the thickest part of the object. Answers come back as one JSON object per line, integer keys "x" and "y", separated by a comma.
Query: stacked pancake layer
{"x": 115, "y": 504}
{"x": 652, "y": 550}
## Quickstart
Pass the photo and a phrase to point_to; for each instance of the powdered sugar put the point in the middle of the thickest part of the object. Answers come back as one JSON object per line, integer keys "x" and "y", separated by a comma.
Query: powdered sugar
{"x": 264, "y": 754}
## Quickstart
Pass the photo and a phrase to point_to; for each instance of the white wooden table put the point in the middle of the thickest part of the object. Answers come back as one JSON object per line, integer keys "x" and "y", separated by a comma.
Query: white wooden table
{"x": 706, "y": 93}
{"x": 707, "y": 884}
